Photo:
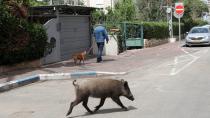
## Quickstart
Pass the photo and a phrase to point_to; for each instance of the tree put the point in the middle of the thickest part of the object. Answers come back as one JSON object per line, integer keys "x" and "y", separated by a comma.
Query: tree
{"x": 19, "y": 40}
{"x": 38, "y": 3}
{"x": 18, "y": 8}
{"x": 151, "y": 10}
{"x": 193, "y": 13}
{"x": 194, "y": 9}
{"x": 124, "y": 10}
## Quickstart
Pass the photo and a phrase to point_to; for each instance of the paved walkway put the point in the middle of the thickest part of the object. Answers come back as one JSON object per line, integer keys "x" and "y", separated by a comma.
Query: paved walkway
{"x": 125, "y": 62}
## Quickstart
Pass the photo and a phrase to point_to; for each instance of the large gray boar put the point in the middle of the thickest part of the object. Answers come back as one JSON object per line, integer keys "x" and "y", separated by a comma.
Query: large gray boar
{"x": 100, "y": 88}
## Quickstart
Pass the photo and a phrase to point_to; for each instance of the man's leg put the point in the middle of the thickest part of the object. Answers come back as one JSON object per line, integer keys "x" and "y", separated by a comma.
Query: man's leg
{"x": 100, "y": 51}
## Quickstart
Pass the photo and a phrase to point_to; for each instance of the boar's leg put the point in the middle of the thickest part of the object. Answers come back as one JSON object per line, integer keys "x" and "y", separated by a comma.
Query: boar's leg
{"x": 85, "y": 101}
{"x": 100, "y": 105}
{"x": 118, "y": 101}
{"x": 76, "y": 102}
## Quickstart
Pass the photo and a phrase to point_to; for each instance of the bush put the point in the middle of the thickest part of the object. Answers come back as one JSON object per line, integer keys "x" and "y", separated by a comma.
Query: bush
{"x": 176, "y": 28}
{"x": 20, "y": 40}
{"x": 188, "y": 24}
{"x": 157, "y": 30}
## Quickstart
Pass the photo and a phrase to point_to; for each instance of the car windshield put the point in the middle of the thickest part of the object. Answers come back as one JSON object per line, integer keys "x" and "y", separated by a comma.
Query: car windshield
{"x": 199, "y": 30}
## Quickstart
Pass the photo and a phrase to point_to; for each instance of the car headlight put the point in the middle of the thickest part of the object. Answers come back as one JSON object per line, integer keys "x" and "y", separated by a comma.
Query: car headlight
{"x": 206, "y": 37}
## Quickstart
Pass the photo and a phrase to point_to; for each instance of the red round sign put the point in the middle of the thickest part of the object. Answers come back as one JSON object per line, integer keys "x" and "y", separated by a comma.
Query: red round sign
{"x": 179, "y": 9}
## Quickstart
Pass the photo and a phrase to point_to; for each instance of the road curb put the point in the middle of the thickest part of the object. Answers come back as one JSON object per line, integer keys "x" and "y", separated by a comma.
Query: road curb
{"x": 55, "y": 76}
{"x": 18, "y": 83}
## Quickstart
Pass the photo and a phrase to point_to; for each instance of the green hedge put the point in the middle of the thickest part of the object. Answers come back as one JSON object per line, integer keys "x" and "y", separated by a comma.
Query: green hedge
{"x": 188, "y": 24}
{"x": 19, "y": 40}
{"x": 176, "y": 28}
{"x": 155, "y": 30}
{"x": 159, "y": 30}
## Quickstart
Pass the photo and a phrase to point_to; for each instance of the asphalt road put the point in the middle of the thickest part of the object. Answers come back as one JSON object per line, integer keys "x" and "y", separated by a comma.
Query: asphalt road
{"x": 178, "y": 87}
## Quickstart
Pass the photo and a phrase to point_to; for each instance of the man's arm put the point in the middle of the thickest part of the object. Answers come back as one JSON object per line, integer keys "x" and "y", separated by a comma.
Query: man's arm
{"x": 106, "y": 35}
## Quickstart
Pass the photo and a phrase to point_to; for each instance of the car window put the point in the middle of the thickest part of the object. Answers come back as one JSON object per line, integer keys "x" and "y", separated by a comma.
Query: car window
{"x": 199, "y": 30}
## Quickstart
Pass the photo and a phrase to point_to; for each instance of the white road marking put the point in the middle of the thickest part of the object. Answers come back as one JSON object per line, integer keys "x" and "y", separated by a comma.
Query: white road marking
{"x": 188, "y": 53}
{"x": 176, "y": 70}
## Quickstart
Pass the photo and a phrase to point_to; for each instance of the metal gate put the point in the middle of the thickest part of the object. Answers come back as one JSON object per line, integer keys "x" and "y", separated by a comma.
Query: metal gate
{"x": 74, "y": 35}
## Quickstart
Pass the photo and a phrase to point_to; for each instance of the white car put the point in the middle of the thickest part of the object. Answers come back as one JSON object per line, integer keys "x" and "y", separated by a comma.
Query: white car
{"x": 198, "y": 36}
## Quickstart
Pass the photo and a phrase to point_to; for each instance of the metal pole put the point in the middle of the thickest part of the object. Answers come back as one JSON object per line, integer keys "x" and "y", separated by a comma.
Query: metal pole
{"x": 172, "y": 23}
{"x": 111, "y": 4}
{"x": 179, "y": 31}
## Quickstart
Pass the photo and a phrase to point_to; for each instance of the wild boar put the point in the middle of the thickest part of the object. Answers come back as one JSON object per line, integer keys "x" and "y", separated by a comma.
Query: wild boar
{"x": 100, "y": 88}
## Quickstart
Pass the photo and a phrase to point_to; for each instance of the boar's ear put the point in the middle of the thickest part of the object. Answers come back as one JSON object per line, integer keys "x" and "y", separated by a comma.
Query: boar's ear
{"x": 125, "y": 84}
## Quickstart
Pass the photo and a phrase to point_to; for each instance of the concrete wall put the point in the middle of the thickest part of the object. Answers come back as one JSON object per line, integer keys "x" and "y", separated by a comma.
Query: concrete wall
{"x": 109, "y": 49}
{"x": 52, "y": 32}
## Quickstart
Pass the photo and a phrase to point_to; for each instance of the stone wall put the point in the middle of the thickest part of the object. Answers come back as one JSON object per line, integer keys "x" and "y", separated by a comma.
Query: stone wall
{"x": 20, "y": 66}
{"x": 154, "y": 42}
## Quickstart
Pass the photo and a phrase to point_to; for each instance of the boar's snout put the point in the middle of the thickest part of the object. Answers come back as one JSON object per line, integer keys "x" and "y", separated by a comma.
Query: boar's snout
{"x": 131, "y": 98}
{"x": 128, "y": 93}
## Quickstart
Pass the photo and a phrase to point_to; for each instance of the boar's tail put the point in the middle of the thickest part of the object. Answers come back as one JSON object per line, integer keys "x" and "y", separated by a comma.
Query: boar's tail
{"x": 74, "y": 83}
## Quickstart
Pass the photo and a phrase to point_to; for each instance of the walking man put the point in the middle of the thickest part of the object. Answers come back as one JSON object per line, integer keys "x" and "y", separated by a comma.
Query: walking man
{"x": 100, "y": 35}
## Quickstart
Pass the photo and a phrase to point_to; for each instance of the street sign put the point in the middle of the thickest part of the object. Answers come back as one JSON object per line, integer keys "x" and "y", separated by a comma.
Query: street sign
{"x": 179, "y": 9}
{"x": 177, "y": 16}
{"x": 178, "y": 13}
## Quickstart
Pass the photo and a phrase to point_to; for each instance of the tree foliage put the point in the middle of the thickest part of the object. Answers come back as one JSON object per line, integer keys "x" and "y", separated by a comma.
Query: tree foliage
{"x": 193, "y": 13}
{"x": 18, "y": 8}
{"x": 124, "y": 10}
{"x": 194, "y": 9}
{"x": 151, "y": 10}
{"x": 19, "y": 39}
{"x": 38, "y": 3}
{"x": 155, "y": 10}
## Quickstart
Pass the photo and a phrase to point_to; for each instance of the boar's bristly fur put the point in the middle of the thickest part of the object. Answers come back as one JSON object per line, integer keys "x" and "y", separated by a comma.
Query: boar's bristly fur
{"x": 100, "y": 88}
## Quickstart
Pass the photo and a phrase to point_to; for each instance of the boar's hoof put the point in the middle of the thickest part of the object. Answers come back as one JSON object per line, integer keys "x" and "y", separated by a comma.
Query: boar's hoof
{"x": 125, "y": 108}
{"x": 90, "y": 112}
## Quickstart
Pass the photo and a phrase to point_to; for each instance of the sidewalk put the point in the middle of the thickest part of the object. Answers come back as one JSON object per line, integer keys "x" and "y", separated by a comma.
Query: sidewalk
{"x": 125, "y": 62}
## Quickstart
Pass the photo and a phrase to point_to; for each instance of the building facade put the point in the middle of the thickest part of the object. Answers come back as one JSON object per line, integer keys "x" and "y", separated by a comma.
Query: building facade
{"x": 67, "y": 2}
{"x": 102, "y": 4}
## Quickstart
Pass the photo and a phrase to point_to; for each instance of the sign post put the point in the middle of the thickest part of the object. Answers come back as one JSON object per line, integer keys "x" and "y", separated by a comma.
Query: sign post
{"x": 178, "y": 13}
{"x": 170, "y": 22}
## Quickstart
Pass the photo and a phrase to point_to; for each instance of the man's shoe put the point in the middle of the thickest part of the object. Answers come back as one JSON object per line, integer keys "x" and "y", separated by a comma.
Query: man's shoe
{"x": 99, "y": 61}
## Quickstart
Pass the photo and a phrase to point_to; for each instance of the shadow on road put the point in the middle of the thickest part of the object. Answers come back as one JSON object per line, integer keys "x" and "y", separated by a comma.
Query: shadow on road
{"x": 106, "y": 111}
